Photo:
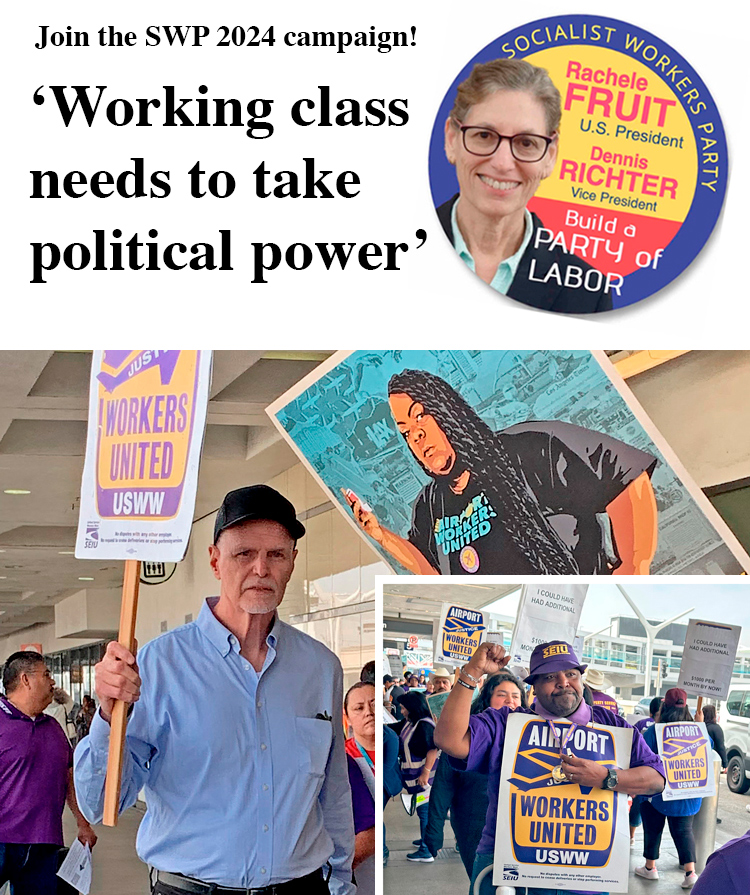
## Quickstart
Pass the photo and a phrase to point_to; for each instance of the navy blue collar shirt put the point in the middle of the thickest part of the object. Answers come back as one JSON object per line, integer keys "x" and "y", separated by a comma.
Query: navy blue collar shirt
{"x": 243, "y": 773}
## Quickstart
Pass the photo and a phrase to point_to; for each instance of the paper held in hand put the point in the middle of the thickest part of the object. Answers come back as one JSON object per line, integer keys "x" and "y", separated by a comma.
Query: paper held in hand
{"x": 76, "y": 868}
{"x": 546, "y": 612}
{"x": 685, "y": 751}
{"x": 146, "y": 423}
{"x": 460, "y": 632}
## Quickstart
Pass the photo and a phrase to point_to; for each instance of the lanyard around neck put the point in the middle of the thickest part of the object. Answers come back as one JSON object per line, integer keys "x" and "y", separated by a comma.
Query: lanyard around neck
{"x": 363, "y": 753}
{"x": 564, "y": 739}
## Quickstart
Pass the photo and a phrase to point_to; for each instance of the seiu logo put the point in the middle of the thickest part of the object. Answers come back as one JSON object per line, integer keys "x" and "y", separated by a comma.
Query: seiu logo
{"x": 557, "y": 649}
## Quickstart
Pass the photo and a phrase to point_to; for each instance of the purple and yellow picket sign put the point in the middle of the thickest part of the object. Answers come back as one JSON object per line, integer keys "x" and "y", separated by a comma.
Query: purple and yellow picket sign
{"x": 460, "y": 632}
{"x": 632, "y": 179}
{"x": 686, "y": 753}
{"x": 549, "y": 830}
{"x": 146, "y": 415}
{"x": 147, "y": 418}
{"x": 147, "y": 411}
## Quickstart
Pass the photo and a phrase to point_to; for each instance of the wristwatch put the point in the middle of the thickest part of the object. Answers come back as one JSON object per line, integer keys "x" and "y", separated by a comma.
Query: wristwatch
{"x": 610, "y": 781}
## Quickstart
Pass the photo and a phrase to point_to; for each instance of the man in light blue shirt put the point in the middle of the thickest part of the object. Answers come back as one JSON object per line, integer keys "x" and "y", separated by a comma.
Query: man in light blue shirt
{"x": 236, "y": 734}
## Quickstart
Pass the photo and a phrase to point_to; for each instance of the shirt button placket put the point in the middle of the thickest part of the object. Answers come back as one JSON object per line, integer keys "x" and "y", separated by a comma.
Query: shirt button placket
{"x": 255, "y": 857}
{"x": 265, "y": 802}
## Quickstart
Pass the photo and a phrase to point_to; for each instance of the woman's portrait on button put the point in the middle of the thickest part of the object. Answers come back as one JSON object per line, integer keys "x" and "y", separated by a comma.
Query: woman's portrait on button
{"x": 502, "y": 137}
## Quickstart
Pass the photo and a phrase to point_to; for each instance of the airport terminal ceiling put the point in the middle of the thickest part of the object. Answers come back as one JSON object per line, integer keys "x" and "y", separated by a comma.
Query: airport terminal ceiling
{"x": 43, "y": 412}
{"x": 43, "y": 409}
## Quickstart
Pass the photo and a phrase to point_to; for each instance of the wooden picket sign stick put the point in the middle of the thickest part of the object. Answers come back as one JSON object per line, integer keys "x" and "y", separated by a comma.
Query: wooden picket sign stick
{"x": 128, "y": 610}
{"x": 700, "y": 704}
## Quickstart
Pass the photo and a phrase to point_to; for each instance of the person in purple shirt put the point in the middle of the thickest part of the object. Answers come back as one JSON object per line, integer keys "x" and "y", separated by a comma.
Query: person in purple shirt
{"x": 727, "y": 869}
{"x": 476, "y": 743}
{"x": 36, "y": 779}
{"x": 653, "y": 711}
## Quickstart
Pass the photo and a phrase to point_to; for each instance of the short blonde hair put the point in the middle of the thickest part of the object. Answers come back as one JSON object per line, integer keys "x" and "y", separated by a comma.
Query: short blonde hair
{"x": 509, "y": 74}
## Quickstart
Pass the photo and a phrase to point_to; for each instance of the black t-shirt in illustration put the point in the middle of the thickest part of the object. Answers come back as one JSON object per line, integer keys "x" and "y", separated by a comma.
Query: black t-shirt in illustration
{"x": 573, "y": 473}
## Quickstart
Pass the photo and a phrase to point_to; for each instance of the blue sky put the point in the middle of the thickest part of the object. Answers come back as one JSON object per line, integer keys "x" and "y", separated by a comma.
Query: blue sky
{"x": 723, "y": 602}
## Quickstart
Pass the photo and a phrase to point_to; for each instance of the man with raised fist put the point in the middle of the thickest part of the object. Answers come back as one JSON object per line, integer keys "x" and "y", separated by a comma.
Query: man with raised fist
{"x": 476, "y": 742}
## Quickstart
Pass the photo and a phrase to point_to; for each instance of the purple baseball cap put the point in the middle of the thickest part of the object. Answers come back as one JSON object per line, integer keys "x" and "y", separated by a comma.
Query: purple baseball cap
{"x": 557, "y": 655}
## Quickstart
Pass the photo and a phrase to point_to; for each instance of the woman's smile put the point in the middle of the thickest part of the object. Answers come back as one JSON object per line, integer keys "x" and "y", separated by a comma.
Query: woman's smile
{"x": 502, "y": 185}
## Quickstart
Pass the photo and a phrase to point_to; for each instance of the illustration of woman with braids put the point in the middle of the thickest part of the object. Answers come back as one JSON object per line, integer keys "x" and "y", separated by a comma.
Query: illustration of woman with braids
{"x": 543, "y": 497}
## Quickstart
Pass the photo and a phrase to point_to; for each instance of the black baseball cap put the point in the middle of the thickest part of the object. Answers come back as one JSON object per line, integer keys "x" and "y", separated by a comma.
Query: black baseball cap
{"x": 257, "y": 502}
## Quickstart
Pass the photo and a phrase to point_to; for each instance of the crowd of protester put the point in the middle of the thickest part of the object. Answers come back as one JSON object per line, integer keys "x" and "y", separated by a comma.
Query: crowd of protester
{"x": 431, "y": 742}
{"x": 445, "y": 785}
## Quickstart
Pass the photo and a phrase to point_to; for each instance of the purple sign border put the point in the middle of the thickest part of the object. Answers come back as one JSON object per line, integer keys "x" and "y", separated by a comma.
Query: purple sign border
{"x": 172, "y": 496}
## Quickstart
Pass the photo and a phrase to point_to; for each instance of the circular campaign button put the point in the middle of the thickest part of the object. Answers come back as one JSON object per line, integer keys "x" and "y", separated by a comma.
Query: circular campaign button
{"x": 469, "y": 559}
{"x": 581, "y": 167}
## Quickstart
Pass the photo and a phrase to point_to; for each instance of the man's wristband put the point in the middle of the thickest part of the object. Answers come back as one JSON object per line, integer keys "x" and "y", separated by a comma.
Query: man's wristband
{"x": 464, "y": 684}
{"x": 471, "y": 677}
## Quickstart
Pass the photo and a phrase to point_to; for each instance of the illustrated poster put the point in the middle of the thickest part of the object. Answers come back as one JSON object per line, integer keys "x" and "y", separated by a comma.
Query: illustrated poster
{"x": 441, "y": 461}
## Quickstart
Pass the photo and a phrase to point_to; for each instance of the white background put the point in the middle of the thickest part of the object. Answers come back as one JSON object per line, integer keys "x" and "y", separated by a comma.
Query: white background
{"x": 433, "y": 301}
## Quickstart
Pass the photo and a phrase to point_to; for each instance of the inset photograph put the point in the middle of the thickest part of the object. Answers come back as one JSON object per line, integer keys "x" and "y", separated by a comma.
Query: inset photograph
{"x": 565, "y": 737}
